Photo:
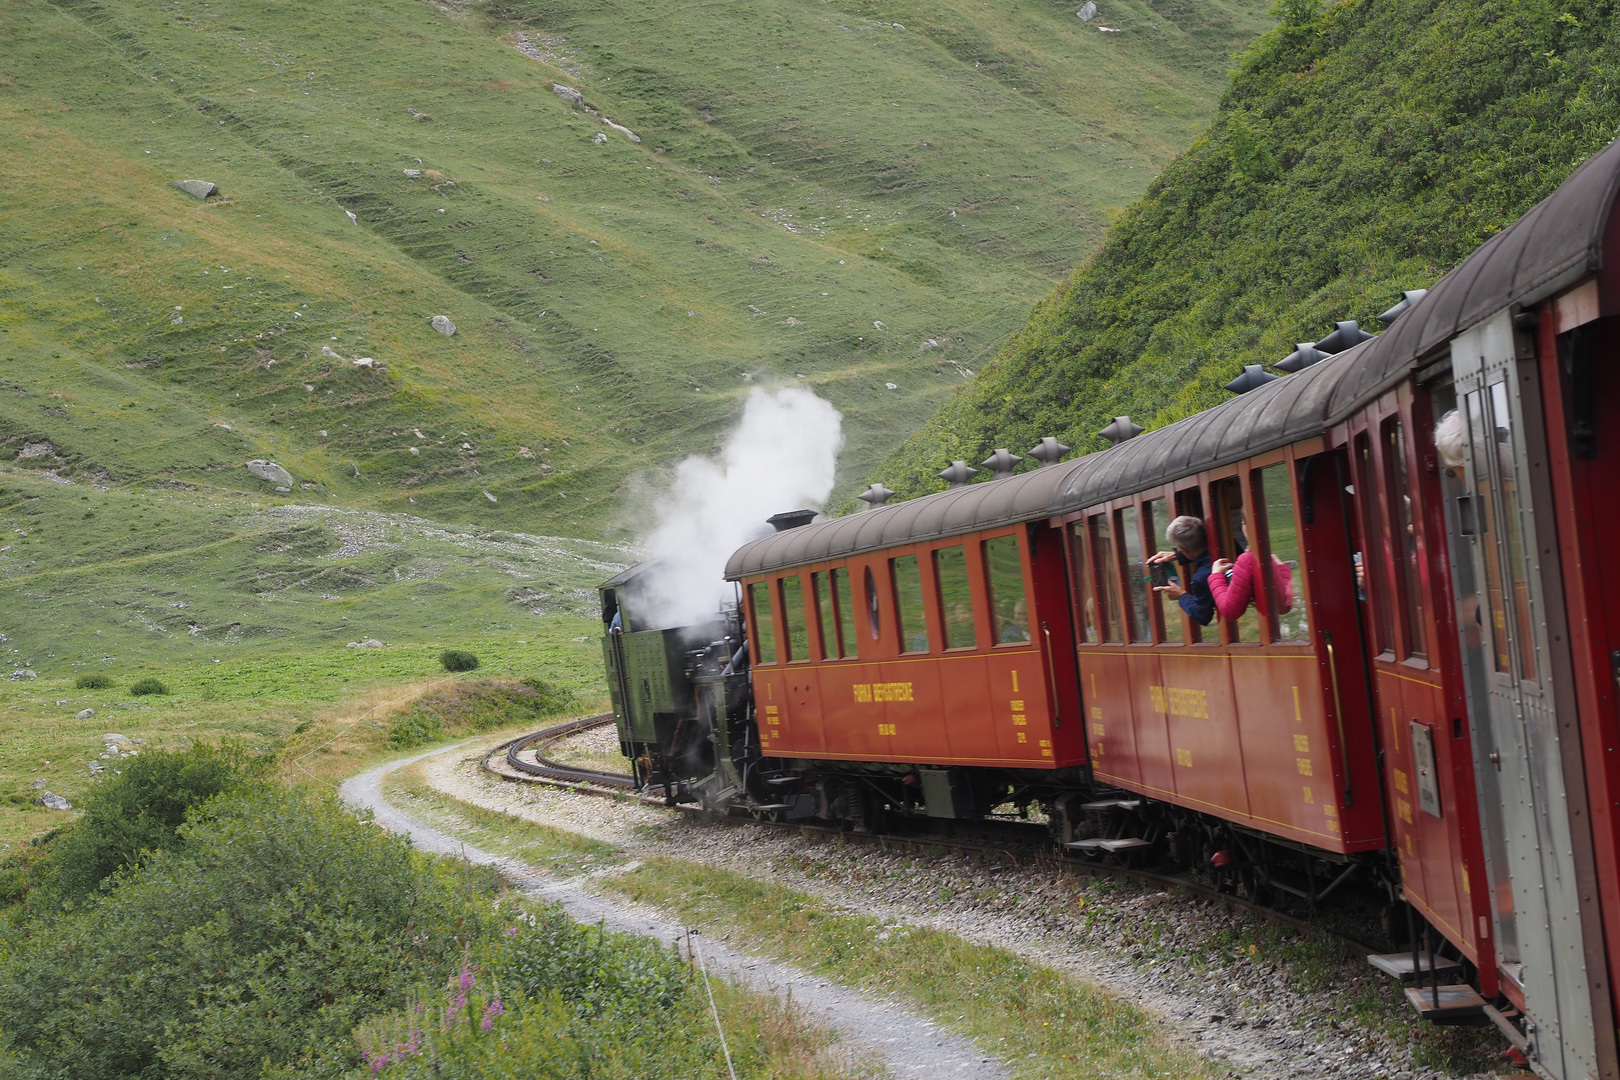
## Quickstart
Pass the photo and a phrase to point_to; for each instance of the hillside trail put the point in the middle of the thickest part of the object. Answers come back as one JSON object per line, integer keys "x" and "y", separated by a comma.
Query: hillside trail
{"x": 909, "y": 1045}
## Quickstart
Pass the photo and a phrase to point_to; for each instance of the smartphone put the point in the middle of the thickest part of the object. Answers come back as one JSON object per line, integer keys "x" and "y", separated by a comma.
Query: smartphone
{"x": 1162, "y": 574}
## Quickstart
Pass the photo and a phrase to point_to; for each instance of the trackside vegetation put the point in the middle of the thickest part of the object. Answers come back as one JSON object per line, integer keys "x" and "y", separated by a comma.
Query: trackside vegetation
{"x": 1361, "y": 148}
{"x": 254, "y": 929}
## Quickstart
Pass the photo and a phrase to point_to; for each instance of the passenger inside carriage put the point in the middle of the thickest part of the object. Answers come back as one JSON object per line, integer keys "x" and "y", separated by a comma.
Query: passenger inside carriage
{"x": 1191, "y": 553}
{"x": 1235, "y": 584}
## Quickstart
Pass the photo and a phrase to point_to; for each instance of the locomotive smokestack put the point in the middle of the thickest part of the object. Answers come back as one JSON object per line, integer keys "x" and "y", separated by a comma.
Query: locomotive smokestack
{"x": 790, "y": 519}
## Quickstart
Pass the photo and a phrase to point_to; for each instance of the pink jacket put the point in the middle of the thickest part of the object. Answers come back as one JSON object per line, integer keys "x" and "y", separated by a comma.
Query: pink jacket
{"x": 1232, "y": 597}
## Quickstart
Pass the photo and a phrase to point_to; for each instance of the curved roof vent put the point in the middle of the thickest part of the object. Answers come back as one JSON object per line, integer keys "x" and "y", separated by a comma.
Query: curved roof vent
{"x": 1121, "y": 429}
{"x": 1048, "y": 451}
{"x": 1001, "y": 463}
{"x": 1408, "y": 298}
{"x": 1344, "y": 335}
{"x": 1304, "y": 355}
{"x": 791, "y": 519}
{"x": 876, "y": 495}
{"x": 958, "y": 474}
{"x": 1253, "y": 378}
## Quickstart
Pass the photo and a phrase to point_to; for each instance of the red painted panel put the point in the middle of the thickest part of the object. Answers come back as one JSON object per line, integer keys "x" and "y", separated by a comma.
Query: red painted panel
{"x": 1201, "y": 720}
{"x": 913, "y": 710}
{"x": 778, "y": 732}
{"x": 1110, "y": 720}
{"x": 1152, "y": 739}
{"x": 1288, "y": 752}
{"x": 1019, "y": 709}
{"x": 849, "y": 715}
{"x": 966, "y": 694}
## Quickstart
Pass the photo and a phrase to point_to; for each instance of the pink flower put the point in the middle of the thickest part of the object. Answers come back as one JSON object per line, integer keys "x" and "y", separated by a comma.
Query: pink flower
{"x": 491, "y": 1011}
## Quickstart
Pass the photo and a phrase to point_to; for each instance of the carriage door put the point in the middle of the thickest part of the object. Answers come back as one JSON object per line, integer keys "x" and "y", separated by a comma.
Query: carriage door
{"x": 1502, "y": 622}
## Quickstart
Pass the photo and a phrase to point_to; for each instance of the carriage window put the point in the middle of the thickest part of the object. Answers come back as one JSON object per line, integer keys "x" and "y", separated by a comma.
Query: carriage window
{"x": 955, "y": 597}
{"x": 1233, "y": 539}
{"x": 1130, "y": 539}
{"x": 1009, "y": 613}
{"x": 1404, "y": 516}
{"x": 908, "y": 603}
{"x": 798, "y": 632}
{"x": 1518, "y": 558}
{"x": 826, "y": 617}
{"x": 1082, "y": 583}
{"x": 844, "y": 602}
{"x": 1154, "y": 520}
{"x": 764, "y": 631}
{"x": 1374, "y": 573}
{"x": 1107, "y": 571}
{"x": 1189, "y": 501}
{"x": 1284, "y": 586}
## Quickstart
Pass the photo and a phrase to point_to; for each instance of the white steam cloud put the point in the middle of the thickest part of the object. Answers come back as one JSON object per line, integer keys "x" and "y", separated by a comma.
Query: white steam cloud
{"x": 781, "y": 457}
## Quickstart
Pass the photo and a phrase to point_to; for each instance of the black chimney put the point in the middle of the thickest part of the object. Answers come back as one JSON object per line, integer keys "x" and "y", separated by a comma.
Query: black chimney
{"x": 790, "y": 519}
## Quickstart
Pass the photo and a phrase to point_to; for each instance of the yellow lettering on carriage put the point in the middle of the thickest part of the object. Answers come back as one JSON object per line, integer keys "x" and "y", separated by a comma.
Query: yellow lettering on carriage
{"x": 1302, "y": 744}
{"x": 1096, "y": 712}
{"x": 885, "y": 729}
{"x": 1017, "y": 706}
{"x": 1097, "y": 730}
{"x": 1466, "y": 889}
{"x": 1404, "y": 810}
{"x": 1309, "y": 798}
{"x": 1303, "y": 764}
{"x": 1401, "y": 783}
{"x": 867, "y": 693}
{"x": 863, "y": 693}
{"x": 770, "y": 710}
{"x": 1299, "y": 717}
{"x": 1022, "y": 737}
{"x": 1180, "y": 701}
{"x": 1020, "y": 720}
{"x": 1184, "y": 758}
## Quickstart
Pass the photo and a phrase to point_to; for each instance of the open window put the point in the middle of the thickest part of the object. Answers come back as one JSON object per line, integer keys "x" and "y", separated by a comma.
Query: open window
{"x": 1231, "y": 541}
{"x": 1105, "y": 566}
{"x": 1375, "y": 573}
{"x": 1084, "y": 602}
{"x": 1128, "y": 527}
{"x": 1404, "y": 516}
{"x": 1282, "y": 585}
{"x": 1155, "y": 517}
{"x": 844, "y": 605}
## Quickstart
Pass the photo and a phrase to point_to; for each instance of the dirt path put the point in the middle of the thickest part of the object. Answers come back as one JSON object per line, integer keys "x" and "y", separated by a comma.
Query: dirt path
{"x": 911, "y": 1045}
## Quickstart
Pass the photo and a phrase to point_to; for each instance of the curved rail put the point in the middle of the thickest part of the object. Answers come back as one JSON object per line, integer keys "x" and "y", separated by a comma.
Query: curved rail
{"x": 545, "y": 769}
{"x": 590, "y": 782}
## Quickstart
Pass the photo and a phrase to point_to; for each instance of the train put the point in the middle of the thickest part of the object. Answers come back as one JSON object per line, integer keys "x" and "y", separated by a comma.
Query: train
{"x": 1408, "y": 679}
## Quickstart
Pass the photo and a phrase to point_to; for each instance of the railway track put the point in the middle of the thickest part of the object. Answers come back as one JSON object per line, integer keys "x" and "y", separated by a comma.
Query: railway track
{"x": 1033, "y": 848}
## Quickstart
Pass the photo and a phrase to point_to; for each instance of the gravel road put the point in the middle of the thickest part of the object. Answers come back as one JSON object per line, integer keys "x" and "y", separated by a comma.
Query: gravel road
{"x": 1181, "y": 959}
{"x": 910, "y": 1045}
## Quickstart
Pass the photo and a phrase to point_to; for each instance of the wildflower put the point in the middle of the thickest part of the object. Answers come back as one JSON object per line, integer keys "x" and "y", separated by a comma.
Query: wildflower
{"x": 491, "y": 1011}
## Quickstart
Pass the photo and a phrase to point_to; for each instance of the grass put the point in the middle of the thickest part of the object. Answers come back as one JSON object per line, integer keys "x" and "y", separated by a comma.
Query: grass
{"x": 803, "y": 175}
{"x": 1041, "y": 1022}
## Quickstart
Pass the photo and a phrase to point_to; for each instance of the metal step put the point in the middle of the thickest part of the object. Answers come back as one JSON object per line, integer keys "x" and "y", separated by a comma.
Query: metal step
{"x": 1457, "y": 1002}
{"x": 774, "y": 806}
{"x": 1398, "y": 965}
{"x": 1097, "y": 844}
{"x": 1112, "y": 804}
{"x": 779, "y": 780}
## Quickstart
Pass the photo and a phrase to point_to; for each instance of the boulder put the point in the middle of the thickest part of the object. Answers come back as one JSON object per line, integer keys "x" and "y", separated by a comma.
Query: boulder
{"x": 413, "y": 174}
{"x": 84, "y": 714}
{"x": 443, "y": 325}
{"x": 1087, "y": 12}
{"x": 119, "y": 744}
{"x": 352, "y": 219}
{"x": 202, "y": 189}
{"x": 599, "y": 138}
{"x": 270, "y": 472}
{"x": 54, "y": 802}
{"x": 24, "y": 673}
{"x": 568, "y": 94}
{"x": 369, "y": 643}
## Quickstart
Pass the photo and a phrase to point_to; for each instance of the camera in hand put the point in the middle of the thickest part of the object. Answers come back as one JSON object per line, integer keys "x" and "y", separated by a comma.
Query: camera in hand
{"x": 1162, "y": 574}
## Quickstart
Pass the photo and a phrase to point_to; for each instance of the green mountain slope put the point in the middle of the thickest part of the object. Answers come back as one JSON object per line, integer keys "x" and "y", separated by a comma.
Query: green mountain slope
{"x": 1362, "y": 149}
{"x": 828, "y": 195}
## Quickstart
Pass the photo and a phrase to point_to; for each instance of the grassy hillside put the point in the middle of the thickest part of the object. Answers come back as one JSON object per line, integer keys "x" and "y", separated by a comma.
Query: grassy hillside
{"x": 817, "y": 194}
{"x": 1363, "y": 148}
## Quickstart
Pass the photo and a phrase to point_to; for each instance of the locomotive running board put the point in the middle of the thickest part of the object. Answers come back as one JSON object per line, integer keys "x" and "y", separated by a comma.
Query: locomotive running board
{"x": 1457, "y": 1003}
{"x": 1094, "y": 844}
{"x": 1398, "y": 965}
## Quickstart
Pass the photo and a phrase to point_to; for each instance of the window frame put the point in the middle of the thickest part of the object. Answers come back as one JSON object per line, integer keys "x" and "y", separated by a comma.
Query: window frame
{"x": 754, "y": 622}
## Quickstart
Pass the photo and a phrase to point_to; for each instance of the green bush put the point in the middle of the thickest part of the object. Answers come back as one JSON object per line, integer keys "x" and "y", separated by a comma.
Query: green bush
{"x": 148, "y": 685}
{"x": 597, "y": 972}
{"x": 279, "y": 923}
{"x": 415, "y": 729}
{"x": 94, "y": 682}
{"x": 138, "y": 811}
{"x": 478, "y": 705}
{"x": 458, "y": 660}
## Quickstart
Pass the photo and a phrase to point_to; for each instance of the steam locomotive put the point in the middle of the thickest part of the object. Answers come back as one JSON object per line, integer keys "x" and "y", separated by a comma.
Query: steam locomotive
{"x": 1419, "y": 688}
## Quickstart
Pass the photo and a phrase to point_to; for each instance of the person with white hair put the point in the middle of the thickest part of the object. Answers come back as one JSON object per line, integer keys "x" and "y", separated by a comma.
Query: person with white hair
{"x": 1448, "y": 439}
{"x": 1190, "y": 544}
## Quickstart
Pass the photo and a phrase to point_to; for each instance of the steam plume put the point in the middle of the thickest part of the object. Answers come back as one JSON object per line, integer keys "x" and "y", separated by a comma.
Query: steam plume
{"x": 781, "y": 457}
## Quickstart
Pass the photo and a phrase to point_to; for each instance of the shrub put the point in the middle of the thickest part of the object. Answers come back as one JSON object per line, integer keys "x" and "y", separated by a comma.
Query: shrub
{"x": 458, "y": 660}
{"x": 596, "y": 971}
{"x": 148, "y": 685}
{"x": 94, "y": 682}
{"x": 279, "y": 923}
{"x": 138, "y": 811}
{"x": 415, "y": 729}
